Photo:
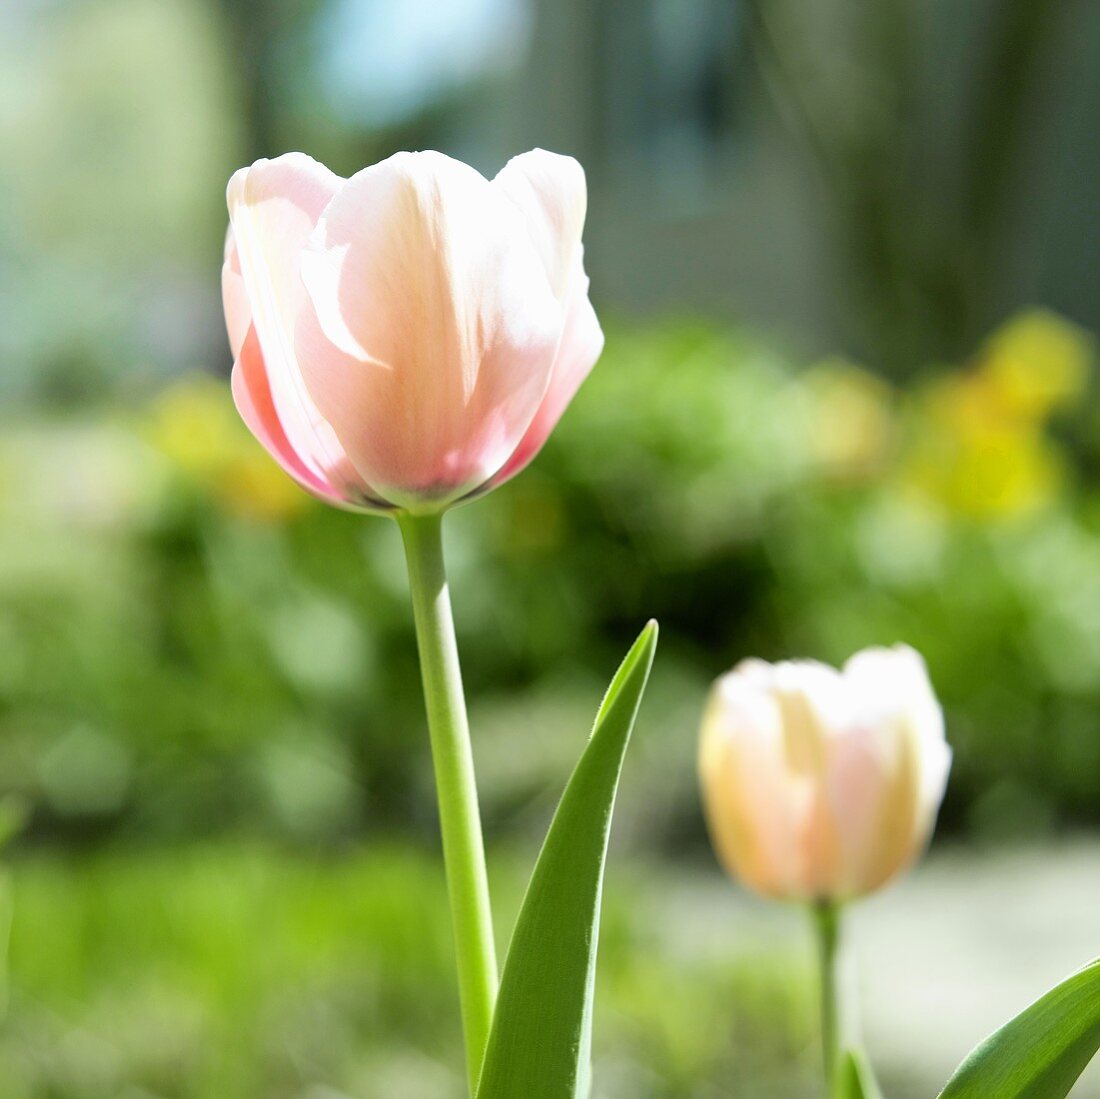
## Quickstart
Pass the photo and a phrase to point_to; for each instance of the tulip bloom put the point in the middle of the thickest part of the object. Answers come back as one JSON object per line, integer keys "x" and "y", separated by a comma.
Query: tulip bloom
{"x": 407, "y": 338}
{"x": 821, "y": 784}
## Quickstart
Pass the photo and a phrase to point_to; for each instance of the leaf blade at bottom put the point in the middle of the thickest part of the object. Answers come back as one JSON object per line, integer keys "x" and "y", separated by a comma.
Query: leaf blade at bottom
{"x": 540, "y": 1043}
{"x": 1042, "y": 1051}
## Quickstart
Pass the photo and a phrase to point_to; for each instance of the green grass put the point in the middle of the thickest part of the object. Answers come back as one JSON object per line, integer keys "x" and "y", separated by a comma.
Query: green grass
{"x": 236, "y": 971}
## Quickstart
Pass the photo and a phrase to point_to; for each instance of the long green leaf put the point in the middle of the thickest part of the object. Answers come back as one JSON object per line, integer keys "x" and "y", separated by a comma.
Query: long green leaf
{"x": 540, "y": 1044}
{"x": 1040, "y": 1053}
{"x": 855, "y": 1080}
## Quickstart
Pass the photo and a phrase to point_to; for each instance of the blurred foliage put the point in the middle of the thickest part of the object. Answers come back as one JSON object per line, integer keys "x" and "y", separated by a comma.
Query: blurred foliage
{"x": 139, "y": 976}
{"x": 116, "y": 119}
{"x": 190, "y": 643}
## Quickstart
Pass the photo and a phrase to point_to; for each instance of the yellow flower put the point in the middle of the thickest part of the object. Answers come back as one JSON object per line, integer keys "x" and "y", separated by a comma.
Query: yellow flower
{"x": 1011, "y": 472}
{"x": 973, "y": 459}
{"x": 854, "y": 421}
{"x": 195, "y": 425}
{"x": 980, "y": 447}
{"x": 1036, "y": 363}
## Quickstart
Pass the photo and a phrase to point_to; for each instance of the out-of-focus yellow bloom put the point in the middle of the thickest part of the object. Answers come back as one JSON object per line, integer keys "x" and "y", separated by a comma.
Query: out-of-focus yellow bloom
{"x": 1002, "y": 473}
{"x": 853, "y": 419}
{"x": 980, "y": 447}
{"x": 1037, "y": 363}
{"x": 195, "y": 425}
{"x": 974, "y": 461}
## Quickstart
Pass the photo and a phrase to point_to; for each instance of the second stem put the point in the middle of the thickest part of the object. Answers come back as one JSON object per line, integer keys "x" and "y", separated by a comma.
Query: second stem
{"x": 826, "y": 916}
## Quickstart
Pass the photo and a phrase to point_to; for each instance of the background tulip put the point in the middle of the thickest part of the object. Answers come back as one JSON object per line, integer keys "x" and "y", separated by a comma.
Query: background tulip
{"x": 823, "y": 784}
{"x": 407, "y": 338}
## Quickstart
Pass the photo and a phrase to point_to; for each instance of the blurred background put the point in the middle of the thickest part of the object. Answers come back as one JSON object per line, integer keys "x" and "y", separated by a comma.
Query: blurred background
{"x": 846, "y": 256}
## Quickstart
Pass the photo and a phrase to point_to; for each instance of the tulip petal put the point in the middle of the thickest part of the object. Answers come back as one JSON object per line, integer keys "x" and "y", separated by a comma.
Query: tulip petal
{"x": 252, "y": 396}
{"x": 754, "y": 812}
{"x": 238, "y": 311}
{"x": 274, "y": 206}
{"x": 550, "y": 191}
{"x": 862, "y": 784}
{"x": 894, "y": 683}
{"x": 888, "y": 770}
{"x": 581, "y": 344}
{"x": 434, "y": 327}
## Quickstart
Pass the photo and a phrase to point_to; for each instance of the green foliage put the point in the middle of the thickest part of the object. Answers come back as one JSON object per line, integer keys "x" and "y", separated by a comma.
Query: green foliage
{"x": 124, "y": 228}
{"x": 13, "y": 817}
{"x": 1041, "y": 1053}
{"x": 236, "y": 970}
{"x": 541, "y": 1041}
{"x": 188, "y": 643}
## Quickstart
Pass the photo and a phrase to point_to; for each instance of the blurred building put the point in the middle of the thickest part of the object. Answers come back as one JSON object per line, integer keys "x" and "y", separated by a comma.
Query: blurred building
{"x": 888, "y": 180}
{"x": 830, "y": 169}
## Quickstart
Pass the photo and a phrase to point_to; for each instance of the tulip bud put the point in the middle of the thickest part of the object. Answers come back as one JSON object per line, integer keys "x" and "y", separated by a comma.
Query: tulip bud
{"x": 821, "y": 784}
{"x": 407, "y": 338}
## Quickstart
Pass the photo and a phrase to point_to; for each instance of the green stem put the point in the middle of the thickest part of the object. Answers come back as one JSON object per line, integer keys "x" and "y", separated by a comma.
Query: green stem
{"x": 459, "y": 821}
{"x": 826, "y": 916}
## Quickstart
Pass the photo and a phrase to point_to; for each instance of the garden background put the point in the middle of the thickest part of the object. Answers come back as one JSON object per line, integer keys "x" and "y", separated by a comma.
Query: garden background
{"x": 846, "y": 258}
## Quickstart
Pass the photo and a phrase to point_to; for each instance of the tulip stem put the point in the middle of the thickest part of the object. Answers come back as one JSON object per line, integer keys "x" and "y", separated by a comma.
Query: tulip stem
{"x": 456, "y": 791}
{"x": 826, "y": 916}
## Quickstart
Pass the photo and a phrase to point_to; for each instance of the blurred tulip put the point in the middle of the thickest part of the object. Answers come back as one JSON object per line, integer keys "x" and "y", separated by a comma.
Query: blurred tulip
{"x": 407, "y": 338}
{"x": 821, "y": 784}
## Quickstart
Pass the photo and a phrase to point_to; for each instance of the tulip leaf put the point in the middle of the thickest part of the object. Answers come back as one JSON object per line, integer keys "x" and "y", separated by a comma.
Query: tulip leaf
{"x": 1040, "y": 1053}
{"x": 855, "y": 1080}
{"x": 540, "y": 1043}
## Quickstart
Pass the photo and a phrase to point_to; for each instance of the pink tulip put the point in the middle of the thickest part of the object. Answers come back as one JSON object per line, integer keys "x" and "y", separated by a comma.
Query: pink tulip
{"x": 407, "y": 338}
{"x": 819, "y": 784}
